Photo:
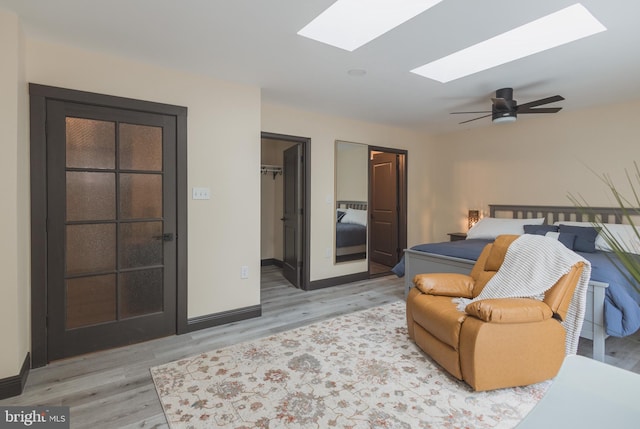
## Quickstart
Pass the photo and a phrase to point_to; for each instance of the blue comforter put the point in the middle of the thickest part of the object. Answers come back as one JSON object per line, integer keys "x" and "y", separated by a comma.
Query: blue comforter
{"x": 350, "y": 234}
{"x": 465, "y": 249}
{"x": 622, "y": 300}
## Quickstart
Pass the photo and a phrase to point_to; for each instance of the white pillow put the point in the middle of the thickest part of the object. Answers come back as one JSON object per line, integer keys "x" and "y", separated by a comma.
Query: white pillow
{"x": 491, "y": 227}
{"x": 358, "y": 217}
{"x": 623, "y": 234}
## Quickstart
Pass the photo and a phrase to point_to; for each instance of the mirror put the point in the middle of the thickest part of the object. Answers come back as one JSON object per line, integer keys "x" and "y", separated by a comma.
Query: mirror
{"x": 352, "y": 194}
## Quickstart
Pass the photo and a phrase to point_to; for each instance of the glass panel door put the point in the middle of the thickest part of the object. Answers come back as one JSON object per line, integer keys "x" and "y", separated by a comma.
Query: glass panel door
{"x": 117, "y": 223}
{"x": 94, "y": 228}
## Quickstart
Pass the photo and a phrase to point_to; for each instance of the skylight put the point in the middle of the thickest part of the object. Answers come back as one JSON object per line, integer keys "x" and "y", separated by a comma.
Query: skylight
{"x": 349, "y": 24}
{"x": 567, "y": 25}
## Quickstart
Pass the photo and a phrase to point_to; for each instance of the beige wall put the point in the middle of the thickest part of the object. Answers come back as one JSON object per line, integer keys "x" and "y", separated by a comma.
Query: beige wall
{"x": 14, "y": 190}
{"x": 537, "y": 160}
{"x": 23, "y": 229}
{"x": 223, "y": 155}
{"x": 324, "y": 131}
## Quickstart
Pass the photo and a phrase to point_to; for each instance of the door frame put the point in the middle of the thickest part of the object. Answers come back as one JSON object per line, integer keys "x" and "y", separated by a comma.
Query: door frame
{"x": 305, "y": 145}
{"x": 38, "y": 97}
{"x": 402, "y": 201}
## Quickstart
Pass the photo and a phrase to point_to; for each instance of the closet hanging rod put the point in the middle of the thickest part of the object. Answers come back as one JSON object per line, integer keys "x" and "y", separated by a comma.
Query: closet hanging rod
{"x": 275, "y": 169}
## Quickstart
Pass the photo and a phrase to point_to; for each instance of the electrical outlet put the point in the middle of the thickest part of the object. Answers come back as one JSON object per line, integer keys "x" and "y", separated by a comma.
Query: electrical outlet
{"x": 201, "y": 194}
{"x": 327, "y": 253}
{"x": 244, "y": 272}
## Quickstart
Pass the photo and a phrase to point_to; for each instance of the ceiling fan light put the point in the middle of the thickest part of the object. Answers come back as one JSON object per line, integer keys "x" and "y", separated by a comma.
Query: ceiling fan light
{"x": 504, "y": 118}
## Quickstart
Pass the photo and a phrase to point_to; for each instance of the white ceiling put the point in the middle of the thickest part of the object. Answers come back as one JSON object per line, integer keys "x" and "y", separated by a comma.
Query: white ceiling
{"x": 255, "y": 42}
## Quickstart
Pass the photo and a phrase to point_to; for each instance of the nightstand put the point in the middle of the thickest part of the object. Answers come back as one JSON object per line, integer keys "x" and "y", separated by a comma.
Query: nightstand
{"x": 455, "y": 236}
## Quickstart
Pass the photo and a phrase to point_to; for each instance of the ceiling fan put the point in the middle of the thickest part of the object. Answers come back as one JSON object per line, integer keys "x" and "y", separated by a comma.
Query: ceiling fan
{"x": 506, "y": 109}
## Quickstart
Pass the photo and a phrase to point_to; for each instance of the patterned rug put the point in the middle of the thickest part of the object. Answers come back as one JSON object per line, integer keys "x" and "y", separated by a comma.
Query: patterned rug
{"x": 355, "y": 371}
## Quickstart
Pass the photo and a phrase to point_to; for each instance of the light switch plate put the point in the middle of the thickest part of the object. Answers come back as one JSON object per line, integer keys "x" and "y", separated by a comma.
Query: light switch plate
{"x": 201, "y": 194}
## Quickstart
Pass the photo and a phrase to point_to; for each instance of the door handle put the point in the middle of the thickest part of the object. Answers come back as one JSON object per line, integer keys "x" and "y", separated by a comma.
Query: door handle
{"x": 164, "y": 237}
{"x": 283, "y": 219}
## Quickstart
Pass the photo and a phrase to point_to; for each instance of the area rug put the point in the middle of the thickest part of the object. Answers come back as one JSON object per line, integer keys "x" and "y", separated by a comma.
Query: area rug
{"x": 355, "y": 371}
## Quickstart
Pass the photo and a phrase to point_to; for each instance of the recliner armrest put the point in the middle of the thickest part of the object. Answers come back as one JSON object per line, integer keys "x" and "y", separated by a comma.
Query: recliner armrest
{"x": 445, "y": 284}
{"x": 509, "y": 310}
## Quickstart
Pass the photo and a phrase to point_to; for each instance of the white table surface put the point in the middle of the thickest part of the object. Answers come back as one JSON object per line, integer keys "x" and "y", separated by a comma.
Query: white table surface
{"x": 588, "y": 394}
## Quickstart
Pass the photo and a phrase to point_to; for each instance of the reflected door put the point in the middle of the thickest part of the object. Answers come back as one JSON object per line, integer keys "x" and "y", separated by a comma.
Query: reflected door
{"x": 111, "y": 211}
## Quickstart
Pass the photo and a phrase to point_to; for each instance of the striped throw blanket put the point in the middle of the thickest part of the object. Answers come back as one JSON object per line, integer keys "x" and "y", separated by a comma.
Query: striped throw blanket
{"x": 532, "y": 265}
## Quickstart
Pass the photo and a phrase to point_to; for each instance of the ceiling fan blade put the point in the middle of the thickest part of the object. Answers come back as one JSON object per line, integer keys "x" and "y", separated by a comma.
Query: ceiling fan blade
{"x": 475, "y": 119}
{"x": 460, "y": 113}
{"x": 540, "y": 110}
{"x": 540, "y": 102}
{"x": 500, "y": 103}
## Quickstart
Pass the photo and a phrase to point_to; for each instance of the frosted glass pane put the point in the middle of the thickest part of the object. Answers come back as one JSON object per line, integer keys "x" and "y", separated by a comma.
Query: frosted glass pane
{"x": 91, "y": 300}
{"x": 140, "y": 147}
{"x": 90, "y": 143}
{"x": 91, "y": 196}
{"x": 140, "y": 292}
{"x": 140, "y": 196}
{"x": 140, "y": 244}
{"x": 90, "y": 248}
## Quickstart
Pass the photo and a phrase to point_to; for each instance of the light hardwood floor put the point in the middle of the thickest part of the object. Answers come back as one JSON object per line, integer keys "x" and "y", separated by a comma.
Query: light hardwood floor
{"x": 113, "y": 389}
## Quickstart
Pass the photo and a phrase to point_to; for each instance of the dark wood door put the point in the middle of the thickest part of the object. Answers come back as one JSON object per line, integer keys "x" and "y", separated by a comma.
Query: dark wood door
{"x": 384, "y": 209}
{"x": 111, "y": 268}
{"x": 292, "y": 218}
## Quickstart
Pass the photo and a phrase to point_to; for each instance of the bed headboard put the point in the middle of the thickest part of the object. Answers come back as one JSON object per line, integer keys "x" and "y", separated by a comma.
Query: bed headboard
{"x": 558, "y": 213}
{"x": 358, "y": 205}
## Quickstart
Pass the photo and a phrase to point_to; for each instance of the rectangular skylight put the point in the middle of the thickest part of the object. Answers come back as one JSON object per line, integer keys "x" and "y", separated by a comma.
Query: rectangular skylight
{"x": 349, "y": 24}
{"x": 567, "y": 25}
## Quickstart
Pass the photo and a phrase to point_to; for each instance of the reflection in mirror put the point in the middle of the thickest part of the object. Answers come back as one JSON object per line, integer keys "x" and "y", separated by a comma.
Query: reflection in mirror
{"x": 351, "y": 201}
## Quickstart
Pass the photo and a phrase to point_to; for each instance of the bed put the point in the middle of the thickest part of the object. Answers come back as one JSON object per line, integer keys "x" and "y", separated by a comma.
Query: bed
{"x": 613, "y": 305}
{"x": 351, "y": 230}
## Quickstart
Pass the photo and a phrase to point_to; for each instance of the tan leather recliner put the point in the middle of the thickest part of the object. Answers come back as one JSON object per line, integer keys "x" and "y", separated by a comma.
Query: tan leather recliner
{"x": 495, "y": 343}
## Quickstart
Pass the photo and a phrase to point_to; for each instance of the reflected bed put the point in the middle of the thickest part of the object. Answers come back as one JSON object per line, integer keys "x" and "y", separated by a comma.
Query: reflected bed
{"x": 351, "y": 230}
